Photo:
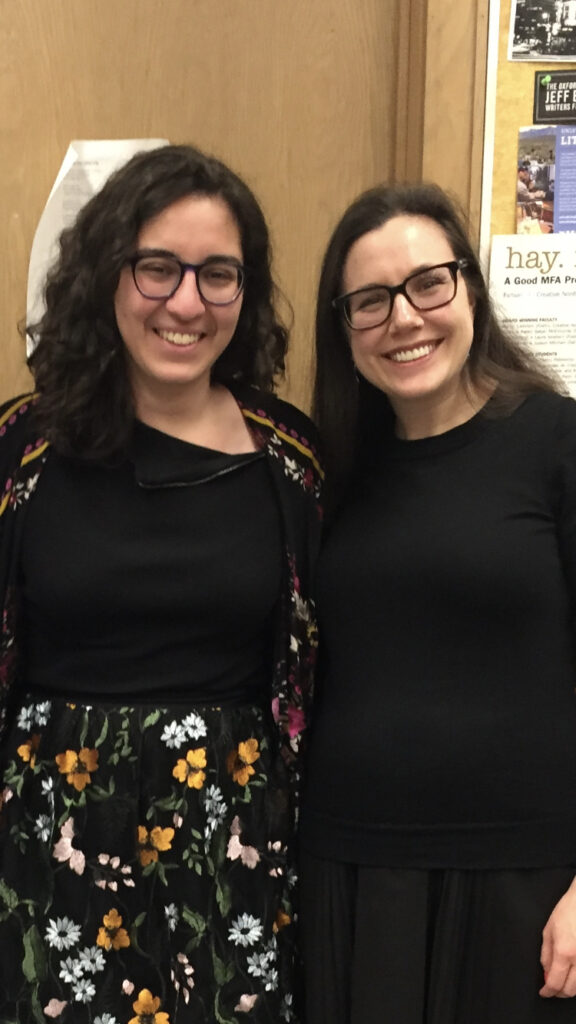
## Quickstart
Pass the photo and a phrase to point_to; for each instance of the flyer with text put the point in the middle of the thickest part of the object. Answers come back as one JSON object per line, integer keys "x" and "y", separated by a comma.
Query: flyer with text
{"x": 533, "y": 286}
{"x": 546, "y": 182}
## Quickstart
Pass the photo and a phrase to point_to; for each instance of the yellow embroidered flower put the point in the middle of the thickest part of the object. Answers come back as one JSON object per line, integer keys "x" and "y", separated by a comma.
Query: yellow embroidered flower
{"x": 239, "y": 762}
{"x": 189, "y": 770}
{"x": 282, "y": 919}
{"x": 146, "y": 1007}
{"x": 77, "y": 767}
{"x": 111, "y": 935}
{"x": 151, "y": 842}
{"x": 28, "y": 750}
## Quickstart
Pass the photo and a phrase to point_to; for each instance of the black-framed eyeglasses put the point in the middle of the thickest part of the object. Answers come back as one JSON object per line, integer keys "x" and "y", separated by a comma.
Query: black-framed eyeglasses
{"x": 425, "y": 290}
{"x": 158, "y": 275}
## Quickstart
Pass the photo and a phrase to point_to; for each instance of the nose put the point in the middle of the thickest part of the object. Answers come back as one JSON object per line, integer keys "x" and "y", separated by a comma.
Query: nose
{"x": 186, "y": 301}
{"x": 403, "y": 313}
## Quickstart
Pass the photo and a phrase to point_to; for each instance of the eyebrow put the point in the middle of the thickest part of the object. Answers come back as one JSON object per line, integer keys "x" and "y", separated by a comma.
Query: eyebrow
{"x": 421, "y": 269}
{"x": 213, "y": 258}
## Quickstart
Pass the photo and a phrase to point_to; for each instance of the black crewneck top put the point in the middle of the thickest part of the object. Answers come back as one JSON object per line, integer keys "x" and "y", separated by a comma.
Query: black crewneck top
{"x": 157, "y": 579}
{"x": 445, "y": 730}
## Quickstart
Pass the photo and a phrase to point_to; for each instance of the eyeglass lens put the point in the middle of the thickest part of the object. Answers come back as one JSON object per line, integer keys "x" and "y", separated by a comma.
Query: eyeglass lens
{"x": 158, "y": 277}
{"x": 434, "y": 287}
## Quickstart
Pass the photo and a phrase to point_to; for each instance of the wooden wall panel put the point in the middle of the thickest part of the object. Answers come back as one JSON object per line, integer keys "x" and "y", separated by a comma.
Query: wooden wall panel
{"x": 298, "y": 97}
{"x": 454, "y": 94}
{"x": 310, "y": 102}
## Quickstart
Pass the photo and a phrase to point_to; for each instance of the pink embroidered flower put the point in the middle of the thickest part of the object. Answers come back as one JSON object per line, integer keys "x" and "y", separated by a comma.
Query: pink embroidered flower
{"x": 54, "y": 1008}
{"x": 296, "y": 721}
{"x": 64, "y": 851}
{"x": 248, "y": 854}
{"x": 246, "y": 1003}
{"x": 112, "y": 872}
{"x": 5, "y": 796}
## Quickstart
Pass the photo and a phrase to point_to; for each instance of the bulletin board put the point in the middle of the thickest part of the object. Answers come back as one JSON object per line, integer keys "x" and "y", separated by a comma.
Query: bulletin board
{"x": 510, "y": 100}
{"x": 527, "y": 229}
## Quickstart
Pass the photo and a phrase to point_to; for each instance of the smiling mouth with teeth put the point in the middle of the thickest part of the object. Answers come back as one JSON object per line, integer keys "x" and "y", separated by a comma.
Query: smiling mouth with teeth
{"x": 409, "y": 355}
{"x": 177, "y": 338}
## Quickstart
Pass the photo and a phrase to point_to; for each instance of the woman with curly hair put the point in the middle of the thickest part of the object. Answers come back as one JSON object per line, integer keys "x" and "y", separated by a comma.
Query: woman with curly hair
{"x": 158, "y": 523}
{"x": 439, "y": 821}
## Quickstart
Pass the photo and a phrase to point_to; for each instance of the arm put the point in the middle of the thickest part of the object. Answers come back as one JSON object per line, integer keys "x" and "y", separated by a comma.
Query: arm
{"x": 558, "y": 952}
{"x": 558, "y": 956}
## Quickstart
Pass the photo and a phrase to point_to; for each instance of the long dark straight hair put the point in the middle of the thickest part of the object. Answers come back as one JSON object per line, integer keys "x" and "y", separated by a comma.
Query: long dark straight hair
{"x": 346, "y": 408}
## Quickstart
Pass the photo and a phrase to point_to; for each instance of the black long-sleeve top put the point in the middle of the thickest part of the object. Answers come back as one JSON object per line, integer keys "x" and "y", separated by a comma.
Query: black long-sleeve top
{"x": 445, "y": 734}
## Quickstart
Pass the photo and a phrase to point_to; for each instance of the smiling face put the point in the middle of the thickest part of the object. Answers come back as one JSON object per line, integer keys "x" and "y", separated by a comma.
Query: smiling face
{"x": 416, "y": 358}
{"x": 176, "y": 341}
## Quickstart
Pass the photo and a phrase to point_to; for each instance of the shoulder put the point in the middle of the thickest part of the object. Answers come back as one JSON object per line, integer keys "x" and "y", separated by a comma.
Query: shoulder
{"x": 288, "y": 435}
{"x": 547, "y": 412}
{"x": 542, "y": 437}
{"x": 279, "y": 416}
{"x": 16, "y": 417}
{"x": 15, "y": 407}
{"x": 18, "y": 432}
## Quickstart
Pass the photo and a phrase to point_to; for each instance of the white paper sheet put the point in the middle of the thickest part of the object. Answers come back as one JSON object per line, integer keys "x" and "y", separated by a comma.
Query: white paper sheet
{"x": 533, "y": 285}
{"x": 85, "y": 168}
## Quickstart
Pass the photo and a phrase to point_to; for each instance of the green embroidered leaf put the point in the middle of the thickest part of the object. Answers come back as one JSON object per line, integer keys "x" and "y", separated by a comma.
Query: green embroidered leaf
{"x": 223, "y": 897}
{"x": 37, "y": 1011}
{"x": 168, "y": 803}
{"x": 103, "y": 734}
{"x": 34, "y": 962}
{"x": 8, "y": 896}
{"x": 84, "y": 730}
{"x": 151, "y": 719}
{"x": 223, "y": 1020}
{"x": 219, "y": 847}
{"x": 222, "y": 972}
{"x": 194, "y": 920}
{"x": 98, "y": 793}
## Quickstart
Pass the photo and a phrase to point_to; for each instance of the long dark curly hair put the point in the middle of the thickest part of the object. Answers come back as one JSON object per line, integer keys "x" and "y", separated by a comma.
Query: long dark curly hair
{"x": 347, "y": 409}
{"x": 85, "y": 405}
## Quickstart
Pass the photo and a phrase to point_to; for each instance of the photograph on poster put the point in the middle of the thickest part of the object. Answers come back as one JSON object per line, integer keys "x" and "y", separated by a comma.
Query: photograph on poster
{"x": 535, "y": 180}
{"x": 546, "y": 179}
{"x": 555, "y": 97}
{"x": 533, "y": 285}
{"x": 542, "y": 29}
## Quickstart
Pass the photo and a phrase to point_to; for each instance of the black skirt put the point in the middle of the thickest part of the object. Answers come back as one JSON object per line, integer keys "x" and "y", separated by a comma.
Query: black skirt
{"x": 394, "y": 946}
{"x": 145, "y": 867}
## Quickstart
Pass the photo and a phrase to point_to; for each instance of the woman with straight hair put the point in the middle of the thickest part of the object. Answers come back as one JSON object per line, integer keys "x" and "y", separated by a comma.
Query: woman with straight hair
{"x": 439, "y": 820}
{"x": 158, "y": 524}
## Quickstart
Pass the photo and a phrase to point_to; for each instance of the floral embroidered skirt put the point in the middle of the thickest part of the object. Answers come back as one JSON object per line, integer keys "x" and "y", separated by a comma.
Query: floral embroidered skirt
{"x": 145, "y": 873}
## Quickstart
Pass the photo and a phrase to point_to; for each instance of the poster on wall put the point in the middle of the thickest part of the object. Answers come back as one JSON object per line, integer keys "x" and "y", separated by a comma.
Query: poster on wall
{"x": 555, "y": 97}
{"x": 546, "y": 179}
{"x": 84, "y": 169}
{"x": 542, "y": 30}
{"x": 533, "y": 286}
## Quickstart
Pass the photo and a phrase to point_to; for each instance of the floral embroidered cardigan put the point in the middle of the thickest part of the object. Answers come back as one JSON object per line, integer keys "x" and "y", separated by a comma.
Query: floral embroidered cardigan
{"x": 289, "y": 441}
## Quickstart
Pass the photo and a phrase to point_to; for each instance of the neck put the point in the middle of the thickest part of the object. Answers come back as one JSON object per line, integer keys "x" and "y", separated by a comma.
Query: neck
{"x": 206, "y": 415}
{"x": 417, "y": 419}
{"x": 172, "y": 408}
